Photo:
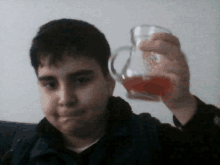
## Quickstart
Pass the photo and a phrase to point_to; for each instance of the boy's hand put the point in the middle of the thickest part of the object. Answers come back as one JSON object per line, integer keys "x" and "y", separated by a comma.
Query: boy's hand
{"x": 173, "y": 65}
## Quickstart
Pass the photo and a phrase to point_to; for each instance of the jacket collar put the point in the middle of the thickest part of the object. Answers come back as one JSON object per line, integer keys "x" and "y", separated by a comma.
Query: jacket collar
{"x": 120, "y": 114}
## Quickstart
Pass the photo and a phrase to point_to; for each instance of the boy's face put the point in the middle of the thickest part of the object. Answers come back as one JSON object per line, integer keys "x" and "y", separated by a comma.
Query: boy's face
{"x": 74, "y": 94}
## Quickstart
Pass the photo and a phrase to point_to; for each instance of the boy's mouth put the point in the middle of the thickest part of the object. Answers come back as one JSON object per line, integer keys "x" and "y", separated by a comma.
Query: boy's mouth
{"x": 79, "y": 113}
{"x": 73, "y": 113}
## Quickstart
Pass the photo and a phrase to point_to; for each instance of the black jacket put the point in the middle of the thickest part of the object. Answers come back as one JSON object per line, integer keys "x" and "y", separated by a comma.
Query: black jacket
{"x": 130, "y": 139}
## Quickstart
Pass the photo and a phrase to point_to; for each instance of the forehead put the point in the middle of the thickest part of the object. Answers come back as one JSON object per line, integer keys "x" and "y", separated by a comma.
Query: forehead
{"x": 67, "y": 65}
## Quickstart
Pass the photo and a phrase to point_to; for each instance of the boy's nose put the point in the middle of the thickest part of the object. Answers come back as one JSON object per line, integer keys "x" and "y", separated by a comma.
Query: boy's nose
{"x": 67, "y": 97}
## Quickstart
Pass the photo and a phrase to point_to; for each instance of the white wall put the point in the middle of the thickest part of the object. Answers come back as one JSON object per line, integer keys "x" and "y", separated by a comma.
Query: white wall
{"x": 195, "y": 22}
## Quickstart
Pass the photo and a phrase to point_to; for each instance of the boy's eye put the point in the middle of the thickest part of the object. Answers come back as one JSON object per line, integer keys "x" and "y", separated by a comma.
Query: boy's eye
{"x": 49, "y": 85}
{"x": 74, "y": 81}
{"x": 81, "y": 80}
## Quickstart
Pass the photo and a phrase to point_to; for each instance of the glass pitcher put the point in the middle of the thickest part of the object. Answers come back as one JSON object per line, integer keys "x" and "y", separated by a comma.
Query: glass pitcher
{"x": 136, "y": 75}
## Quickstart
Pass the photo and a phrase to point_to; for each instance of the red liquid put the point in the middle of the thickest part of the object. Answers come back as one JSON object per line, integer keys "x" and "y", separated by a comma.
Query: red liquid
{"x": 155, "y": 85}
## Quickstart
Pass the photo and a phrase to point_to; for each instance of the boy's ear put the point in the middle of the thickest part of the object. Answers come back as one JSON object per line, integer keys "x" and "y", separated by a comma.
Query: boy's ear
{"x": 111, "y": 83}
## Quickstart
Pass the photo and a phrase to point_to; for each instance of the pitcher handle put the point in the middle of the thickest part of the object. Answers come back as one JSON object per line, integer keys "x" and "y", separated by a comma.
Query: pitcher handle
{"x": 112, "y": 70}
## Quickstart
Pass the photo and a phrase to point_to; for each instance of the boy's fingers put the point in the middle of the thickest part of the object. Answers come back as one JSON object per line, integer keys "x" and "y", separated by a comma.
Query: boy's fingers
{"x": 161, "y": 47}
{"x": 165, "y": 37}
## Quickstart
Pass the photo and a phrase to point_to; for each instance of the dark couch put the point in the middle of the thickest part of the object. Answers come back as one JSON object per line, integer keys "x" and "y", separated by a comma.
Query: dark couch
{"x": 9, "y": 130}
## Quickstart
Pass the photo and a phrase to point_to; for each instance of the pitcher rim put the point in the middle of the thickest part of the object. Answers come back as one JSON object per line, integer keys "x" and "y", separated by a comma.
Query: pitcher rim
{"x": 150, "y": 25}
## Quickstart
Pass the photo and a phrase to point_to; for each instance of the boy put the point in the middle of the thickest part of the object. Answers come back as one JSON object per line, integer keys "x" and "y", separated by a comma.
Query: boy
{"x": 85, "y": 124}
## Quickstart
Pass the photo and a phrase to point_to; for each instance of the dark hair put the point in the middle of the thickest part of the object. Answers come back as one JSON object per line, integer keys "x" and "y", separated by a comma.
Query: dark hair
{"x": 75, "y": 37}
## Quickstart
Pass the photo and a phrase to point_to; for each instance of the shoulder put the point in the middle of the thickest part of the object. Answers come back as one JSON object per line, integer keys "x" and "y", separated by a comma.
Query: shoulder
{"x": 149, "y": 120}
{"x": 145, "y": 124}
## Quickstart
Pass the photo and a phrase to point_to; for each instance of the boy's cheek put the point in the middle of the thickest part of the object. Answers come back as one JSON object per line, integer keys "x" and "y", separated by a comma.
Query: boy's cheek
{"x": 46, "y": 101}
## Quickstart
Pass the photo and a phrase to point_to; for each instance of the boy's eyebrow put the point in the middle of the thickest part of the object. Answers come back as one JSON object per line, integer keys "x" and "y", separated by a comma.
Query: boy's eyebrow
{"x": 78, "y": 73}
